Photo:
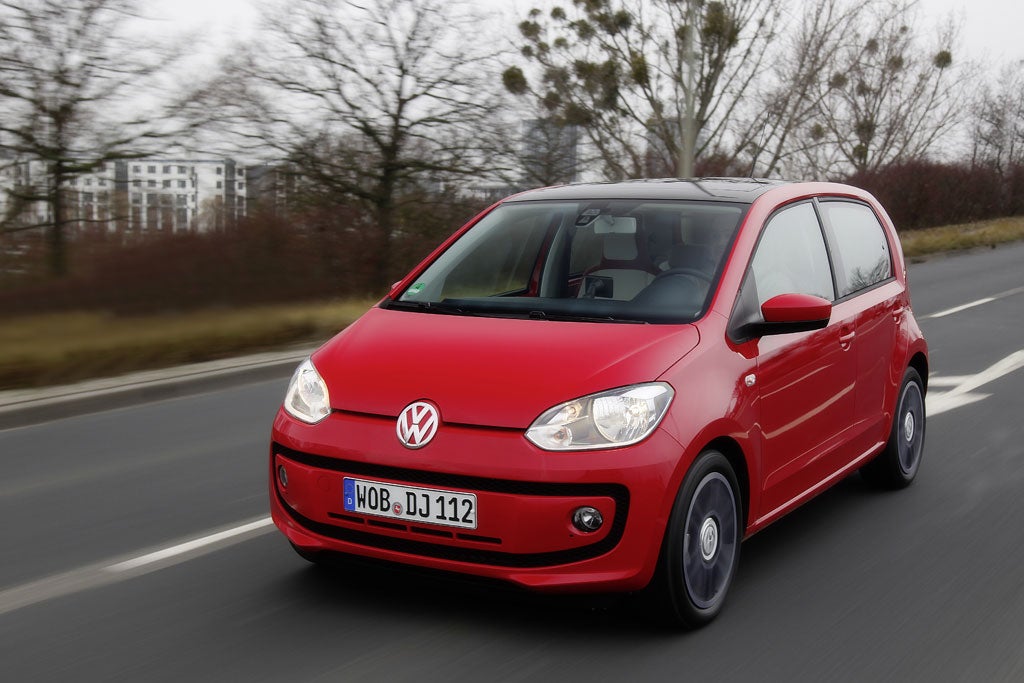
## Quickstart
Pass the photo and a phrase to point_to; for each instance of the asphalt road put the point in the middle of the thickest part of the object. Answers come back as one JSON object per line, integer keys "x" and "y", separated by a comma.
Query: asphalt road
{"x": 924, "y": 584}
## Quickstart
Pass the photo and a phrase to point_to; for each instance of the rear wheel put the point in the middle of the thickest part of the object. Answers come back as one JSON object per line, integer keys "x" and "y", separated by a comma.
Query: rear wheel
{"x": 897, "y": 465}
{"x": 702, "y": 544}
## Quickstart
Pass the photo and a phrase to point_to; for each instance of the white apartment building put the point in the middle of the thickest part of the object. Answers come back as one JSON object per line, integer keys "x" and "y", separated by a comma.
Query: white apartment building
{"x": 140, "y": 195}
{"x": 17, "y": 177}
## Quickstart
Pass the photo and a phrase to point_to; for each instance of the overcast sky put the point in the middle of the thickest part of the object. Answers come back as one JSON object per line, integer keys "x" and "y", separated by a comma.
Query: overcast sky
{"x": 991, "y": 28}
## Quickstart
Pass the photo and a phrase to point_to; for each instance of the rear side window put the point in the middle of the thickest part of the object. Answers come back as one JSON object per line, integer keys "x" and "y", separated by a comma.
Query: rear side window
{"x": 860, "y": 249}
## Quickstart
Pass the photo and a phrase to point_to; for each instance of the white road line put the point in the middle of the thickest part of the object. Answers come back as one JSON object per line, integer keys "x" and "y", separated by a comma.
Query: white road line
{"x": 947, "y": 380}
{"x": 106, "y": 573}
{"x": 972, "y": 304}
{"x": 188, "y": 546}
{"x": 962, "y": 393}
{"x": 963, "y": 307}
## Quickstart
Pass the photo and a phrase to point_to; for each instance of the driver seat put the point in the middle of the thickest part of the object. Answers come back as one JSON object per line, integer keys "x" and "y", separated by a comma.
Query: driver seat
{"x": 621, "y": 263}
{"x": 693, "y": 256}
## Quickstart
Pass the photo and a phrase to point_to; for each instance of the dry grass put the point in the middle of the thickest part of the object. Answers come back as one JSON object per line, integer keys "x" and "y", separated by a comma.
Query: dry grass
{"x": 61, "y": 348}
{"x": 917, "y": 243}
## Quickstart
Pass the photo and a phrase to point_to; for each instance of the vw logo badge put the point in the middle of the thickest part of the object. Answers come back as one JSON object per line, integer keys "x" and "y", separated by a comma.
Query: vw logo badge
{"x": 417, "y": 424}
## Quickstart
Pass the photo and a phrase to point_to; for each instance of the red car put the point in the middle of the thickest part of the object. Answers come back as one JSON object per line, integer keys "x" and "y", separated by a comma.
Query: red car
{"x": 607, "y": 387}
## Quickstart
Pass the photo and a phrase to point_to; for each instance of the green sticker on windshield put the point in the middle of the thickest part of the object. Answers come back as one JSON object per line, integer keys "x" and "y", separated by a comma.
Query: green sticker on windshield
{"x": 417, "y": 288}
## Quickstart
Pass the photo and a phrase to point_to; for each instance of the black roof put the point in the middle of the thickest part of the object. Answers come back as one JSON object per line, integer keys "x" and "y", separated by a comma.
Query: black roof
{"x": 744, "y": 190}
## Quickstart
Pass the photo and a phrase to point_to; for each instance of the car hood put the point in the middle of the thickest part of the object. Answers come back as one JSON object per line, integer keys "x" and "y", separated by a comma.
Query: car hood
{"x": 496, "y": 372}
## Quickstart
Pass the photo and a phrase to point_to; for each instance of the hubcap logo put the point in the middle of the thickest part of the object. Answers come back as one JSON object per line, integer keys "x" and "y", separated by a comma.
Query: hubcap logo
{"x": 417, "y": 424}
{"x": 908, "y": 427}
{"x": 708, "y": 539}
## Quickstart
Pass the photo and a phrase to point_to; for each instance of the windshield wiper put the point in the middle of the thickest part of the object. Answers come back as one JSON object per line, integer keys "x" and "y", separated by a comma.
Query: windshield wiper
{"x": 569, "y": 317}
{"x": 438, "y": 307}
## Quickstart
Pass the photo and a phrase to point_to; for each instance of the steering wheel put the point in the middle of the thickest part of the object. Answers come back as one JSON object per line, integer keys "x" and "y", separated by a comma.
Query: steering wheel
{"x": 692, "y": 272}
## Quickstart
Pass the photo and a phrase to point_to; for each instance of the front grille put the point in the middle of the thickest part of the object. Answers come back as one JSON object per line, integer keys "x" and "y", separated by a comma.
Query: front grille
{"x": 617, "y": 492}
{"x": 413, "y": 529}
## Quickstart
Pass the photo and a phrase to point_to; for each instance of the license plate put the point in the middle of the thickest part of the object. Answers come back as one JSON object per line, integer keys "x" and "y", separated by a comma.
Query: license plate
{"x": 410, "y": 503}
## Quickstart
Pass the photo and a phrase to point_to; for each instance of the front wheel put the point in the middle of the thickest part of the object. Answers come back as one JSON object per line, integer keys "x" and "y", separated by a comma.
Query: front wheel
{"x": 897, "y": 465}
{"x": 702, "y": 543}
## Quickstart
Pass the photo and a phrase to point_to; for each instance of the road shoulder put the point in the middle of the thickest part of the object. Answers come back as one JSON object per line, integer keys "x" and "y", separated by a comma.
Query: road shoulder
{"x": 23, "y": 407}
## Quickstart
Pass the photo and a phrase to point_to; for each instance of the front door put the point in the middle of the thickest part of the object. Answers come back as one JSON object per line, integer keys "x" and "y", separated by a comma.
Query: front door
{"x": 806, "y": 381}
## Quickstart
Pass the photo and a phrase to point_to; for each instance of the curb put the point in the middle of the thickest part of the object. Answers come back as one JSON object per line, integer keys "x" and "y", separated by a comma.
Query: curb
{"x": 24, "y": 407}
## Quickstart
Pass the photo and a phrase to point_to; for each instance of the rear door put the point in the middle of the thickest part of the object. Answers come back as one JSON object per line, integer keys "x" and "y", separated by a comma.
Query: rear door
{"x": 865, "y": 282}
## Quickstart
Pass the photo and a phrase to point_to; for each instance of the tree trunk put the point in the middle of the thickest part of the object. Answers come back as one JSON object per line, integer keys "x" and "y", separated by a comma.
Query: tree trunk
{"x": 687, "y": 127}
{"x": 55, "y": 238}
{"x": 382, "y": 248}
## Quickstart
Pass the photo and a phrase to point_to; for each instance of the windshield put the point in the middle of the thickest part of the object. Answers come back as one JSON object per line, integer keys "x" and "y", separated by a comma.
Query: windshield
{"x": 602, "y": 260}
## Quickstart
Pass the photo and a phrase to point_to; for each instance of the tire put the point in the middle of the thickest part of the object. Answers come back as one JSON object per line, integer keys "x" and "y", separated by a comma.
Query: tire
{"x": 897, "y": 465}
{"x": 701, "y": 548}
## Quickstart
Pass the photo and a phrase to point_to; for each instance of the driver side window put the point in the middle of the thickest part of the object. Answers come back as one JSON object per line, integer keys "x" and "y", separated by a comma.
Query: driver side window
{"x": 791, "y": 256}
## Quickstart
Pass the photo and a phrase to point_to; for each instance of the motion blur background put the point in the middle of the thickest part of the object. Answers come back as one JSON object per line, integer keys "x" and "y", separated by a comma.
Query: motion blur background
{"x": 240, "y": 175}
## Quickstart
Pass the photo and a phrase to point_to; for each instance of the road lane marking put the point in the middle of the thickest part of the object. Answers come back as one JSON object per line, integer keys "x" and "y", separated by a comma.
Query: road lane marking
{"x": 947, "y": 380}
{"x": 109, "y": 572}
{"x": 972, "y": 304}
{"x": 962, "y": 307}
{"x": 963, "y": 392}
{"x": 188, "y": 546}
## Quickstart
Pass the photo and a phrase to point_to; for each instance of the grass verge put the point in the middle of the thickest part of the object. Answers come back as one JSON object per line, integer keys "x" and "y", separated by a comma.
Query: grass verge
{"x": 43, "y": 350}
{"x": 53, "y": 349}
{"x": 919, "y": 243}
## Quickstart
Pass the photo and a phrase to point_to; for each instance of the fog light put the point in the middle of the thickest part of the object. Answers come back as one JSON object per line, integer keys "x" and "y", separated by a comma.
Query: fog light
{"x": 282, "y": 476}
{"x": 587, "y": 519}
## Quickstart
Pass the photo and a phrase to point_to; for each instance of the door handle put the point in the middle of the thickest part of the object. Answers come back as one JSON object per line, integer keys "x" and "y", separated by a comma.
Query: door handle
{"x": 897, "y": 312}
{"x": 846, "y": 335}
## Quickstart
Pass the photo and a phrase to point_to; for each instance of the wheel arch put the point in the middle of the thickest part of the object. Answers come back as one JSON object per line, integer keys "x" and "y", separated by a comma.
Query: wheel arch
{"x": 737, "y": 459}
{"x": 920, "y": 363}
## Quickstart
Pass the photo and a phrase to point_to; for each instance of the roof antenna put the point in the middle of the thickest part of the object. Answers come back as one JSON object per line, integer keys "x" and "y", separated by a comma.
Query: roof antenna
{"x": 760, "y": 146}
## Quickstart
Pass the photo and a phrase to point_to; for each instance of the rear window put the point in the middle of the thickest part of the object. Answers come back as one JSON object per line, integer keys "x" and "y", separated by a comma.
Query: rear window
{"x": 860, "y": 248}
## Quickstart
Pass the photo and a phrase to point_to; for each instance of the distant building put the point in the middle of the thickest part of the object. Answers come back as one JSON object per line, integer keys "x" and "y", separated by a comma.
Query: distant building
{"x": 549, "y": 153}
{"x": 272, "y": 186}
{"x": 138, "y": 195}
{"x": 18, "y": 179}
{"x": 489, "y": 192}
{"x": 179, "y": 194}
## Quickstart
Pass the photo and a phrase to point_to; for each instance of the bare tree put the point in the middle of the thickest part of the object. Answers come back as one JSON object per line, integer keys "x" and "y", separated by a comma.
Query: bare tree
{"x": 890, "y": 97}
{"x": 998, "y": 129}
{"x": 788, "y": 98}
{"x": 529, "y": 148}
{"x": 366, "y": 100}
{"x": 654, "y": 85}
{"x": 71, "y": 85}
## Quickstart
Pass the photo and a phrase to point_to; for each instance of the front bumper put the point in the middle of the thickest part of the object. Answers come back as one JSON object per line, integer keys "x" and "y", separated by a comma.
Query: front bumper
{"x": 525, "y": 501}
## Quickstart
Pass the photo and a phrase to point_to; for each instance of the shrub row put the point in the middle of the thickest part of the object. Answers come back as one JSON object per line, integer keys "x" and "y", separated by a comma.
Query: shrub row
{"x": 266, "y": 258}
{"x": 925, "y": 194}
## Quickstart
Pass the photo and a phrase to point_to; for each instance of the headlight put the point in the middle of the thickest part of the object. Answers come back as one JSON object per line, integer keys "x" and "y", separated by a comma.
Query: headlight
{"x": 610, "y": 419}
{"x": 307, "y": 398}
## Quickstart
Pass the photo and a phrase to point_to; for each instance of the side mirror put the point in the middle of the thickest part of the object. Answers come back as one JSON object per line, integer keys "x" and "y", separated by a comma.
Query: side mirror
{"x": 787, "y": 313}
